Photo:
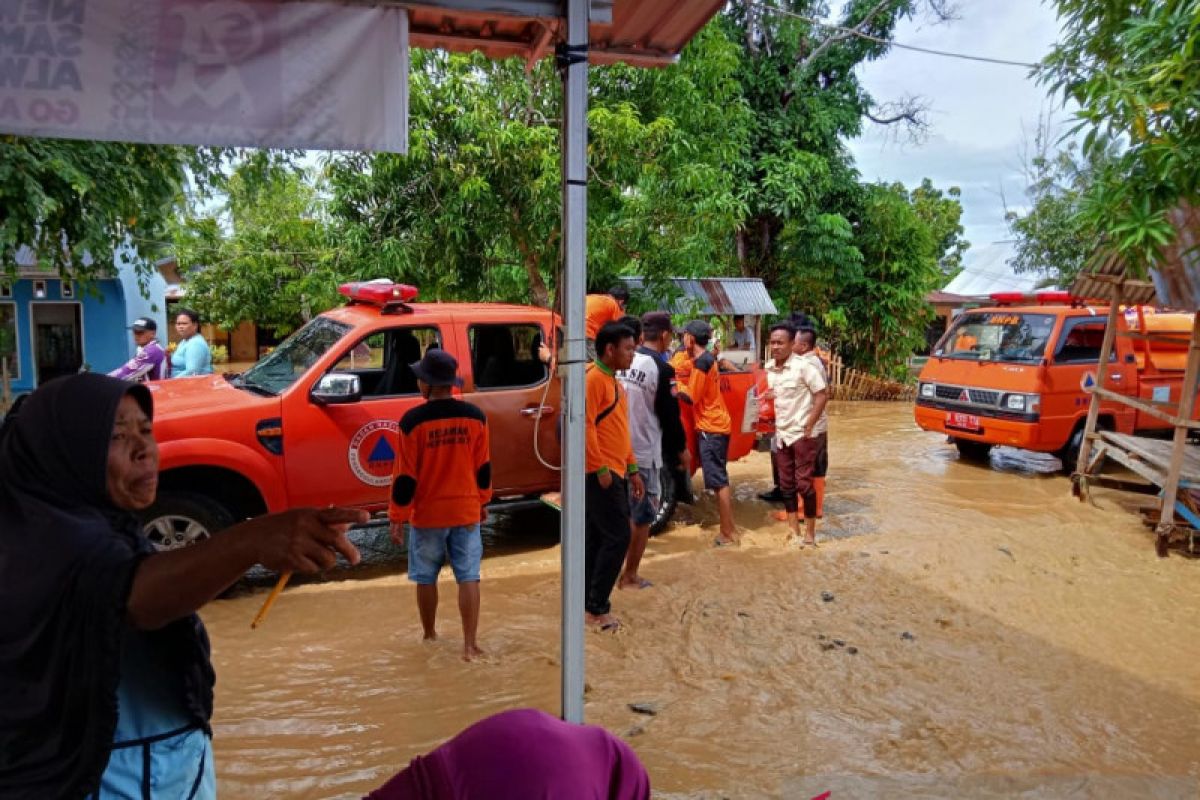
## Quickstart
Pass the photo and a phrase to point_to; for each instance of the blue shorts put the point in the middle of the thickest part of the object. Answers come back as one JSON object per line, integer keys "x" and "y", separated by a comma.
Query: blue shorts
{"x": 428, "y": 548}
{"x": 645, "y": 510}
{"x": 714, "y": 453}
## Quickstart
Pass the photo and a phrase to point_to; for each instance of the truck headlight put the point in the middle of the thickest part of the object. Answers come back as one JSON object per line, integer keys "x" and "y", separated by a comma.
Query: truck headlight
{"x": 1015, "y": 402}
{"x": 926, "y": 390}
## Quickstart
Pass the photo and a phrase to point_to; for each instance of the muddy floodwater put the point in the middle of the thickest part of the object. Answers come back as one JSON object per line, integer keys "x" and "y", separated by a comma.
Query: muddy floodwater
{"x": 964, "y": 630}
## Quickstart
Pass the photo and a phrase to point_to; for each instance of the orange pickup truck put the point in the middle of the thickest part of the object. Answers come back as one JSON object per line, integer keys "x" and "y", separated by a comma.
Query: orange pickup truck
{"x": 314, "y": 422}
{"x": 1014, "y": 373}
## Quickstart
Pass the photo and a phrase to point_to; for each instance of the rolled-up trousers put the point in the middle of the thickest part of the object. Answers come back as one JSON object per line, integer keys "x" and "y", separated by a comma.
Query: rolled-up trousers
{"x": 797, "y": 463}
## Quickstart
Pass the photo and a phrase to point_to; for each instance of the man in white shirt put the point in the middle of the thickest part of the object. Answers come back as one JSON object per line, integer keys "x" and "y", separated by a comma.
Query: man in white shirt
{"x": 796, "y": 383}
{"x": 654, "y": 428}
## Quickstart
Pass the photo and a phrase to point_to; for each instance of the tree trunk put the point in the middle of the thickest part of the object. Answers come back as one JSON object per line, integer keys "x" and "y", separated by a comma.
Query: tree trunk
{"x": 537, "y": 287}
{"x": 743, "y": 260}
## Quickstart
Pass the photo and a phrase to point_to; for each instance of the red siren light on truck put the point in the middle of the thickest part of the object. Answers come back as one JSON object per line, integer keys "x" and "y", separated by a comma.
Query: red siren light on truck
{"x": 381, "y": 292}
{"x": 1048, "y": 297}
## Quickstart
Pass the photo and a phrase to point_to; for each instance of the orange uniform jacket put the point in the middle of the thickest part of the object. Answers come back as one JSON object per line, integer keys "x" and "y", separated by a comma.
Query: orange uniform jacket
{"x": 704, "y": 392}
{"x": 599, "y": 309}
{"x": 443, "y": 473}
{"x": 608, "y": 444}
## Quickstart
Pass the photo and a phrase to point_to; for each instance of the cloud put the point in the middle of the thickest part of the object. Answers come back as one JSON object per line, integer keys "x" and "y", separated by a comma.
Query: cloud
{"x": 979, "y": 111}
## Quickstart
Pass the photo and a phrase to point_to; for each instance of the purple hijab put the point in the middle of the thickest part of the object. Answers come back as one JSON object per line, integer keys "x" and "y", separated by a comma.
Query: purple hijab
{"x": 523, "y": 754}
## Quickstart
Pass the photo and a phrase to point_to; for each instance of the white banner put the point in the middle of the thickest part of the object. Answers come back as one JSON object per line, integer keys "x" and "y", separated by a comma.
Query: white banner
{"x": 256, "y": 73}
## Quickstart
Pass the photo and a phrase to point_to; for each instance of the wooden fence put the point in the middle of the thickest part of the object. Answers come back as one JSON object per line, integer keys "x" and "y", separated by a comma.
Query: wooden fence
{"x": 847, "y": 383}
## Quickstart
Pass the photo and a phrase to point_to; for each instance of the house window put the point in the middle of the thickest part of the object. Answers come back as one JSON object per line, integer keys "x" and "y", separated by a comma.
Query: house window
{"x": 68, "y": 290}
{"x": 39, "y": 290}
{"x": 8, "y": 340}
{"x": 5, "y": 291}
{"x": 505, "y": 356}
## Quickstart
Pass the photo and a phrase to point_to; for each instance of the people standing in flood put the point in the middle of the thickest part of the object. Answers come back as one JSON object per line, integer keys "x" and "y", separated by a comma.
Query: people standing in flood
{"x": 613, "y": 478}
{"x": 192, "y": 355}
{"x": 149, "y": 363}
{"x": 654, "y": 426}
{"x": 601, "y": 309}
{"x": 713, "y": 424}
{"x": 799, "y": 391}
{"x": 106, "y": 681}
{"x": 441, "y": 483}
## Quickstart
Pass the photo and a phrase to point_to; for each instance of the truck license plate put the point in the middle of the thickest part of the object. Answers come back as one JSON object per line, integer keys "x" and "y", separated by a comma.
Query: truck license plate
{"x": 956, "y": 419}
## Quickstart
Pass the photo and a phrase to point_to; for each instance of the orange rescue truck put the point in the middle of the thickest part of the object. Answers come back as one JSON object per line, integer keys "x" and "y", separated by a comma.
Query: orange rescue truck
{"x": 1015, "y": 373}
{"x": 315, "y": 421}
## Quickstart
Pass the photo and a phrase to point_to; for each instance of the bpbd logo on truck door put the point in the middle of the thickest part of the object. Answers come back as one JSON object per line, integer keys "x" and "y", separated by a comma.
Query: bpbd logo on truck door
{"x": 372, "y": 452}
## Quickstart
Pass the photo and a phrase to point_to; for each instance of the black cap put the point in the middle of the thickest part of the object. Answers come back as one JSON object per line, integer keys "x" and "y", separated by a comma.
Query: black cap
{"x": 698, "y": 328}
{"x": 143, "y": 324}
{"x": 437, "y": 368}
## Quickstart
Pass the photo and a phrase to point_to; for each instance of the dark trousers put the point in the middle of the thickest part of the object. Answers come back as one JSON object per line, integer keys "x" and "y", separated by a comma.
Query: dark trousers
{"x": 606, "y": 538}
{"x": 797, "y": 464}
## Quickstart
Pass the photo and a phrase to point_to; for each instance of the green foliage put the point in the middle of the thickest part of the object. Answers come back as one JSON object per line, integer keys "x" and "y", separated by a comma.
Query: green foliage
{"x": 473, "y": 211}
{"x": 1055, "y": 238}
{"x": 1133, "y": 69}
{"x": 66, "y": 198}
{"x": 264, "y": 253}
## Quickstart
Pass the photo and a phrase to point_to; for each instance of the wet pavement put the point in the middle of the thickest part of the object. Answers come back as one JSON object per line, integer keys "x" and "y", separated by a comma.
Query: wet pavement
{"x": 964, "y": 630}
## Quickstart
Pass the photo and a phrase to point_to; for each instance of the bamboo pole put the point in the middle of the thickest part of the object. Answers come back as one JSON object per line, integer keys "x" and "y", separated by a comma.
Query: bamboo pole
{"x": 1106, "y": 347}
{"x": 1166, "y": 520}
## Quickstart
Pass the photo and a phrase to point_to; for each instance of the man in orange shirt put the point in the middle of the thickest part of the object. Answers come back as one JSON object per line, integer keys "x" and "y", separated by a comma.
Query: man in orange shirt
{"x": 609, "y": 460}
{"x": 713, "y": 425}
{"x": 601, "y": 309}
{"x": 442, "y": 480}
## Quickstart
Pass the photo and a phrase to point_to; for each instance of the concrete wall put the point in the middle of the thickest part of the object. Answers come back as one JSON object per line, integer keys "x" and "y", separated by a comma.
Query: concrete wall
{"x": 105, "y": 342}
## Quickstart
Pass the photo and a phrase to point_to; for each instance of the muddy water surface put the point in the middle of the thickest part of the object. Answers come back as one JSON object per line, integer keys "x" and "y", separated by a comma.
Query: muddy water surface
{"x": 963, "y": 631}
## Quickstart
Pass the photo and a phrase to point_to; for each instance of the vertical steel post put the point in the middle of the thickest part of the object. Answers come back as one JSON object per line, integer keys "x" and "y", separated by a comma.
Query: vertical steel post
{"x": 574, "y": 69}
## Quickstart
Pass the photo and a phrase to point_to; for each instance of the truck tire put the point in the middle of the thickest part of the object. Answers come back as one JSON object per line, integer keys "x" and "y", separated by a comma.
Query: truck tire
{"x": 1069, "y": 455}
{"x": 667, "y": 501}
{"x": 971, "y": 450}
{"x": 179, "y": 519}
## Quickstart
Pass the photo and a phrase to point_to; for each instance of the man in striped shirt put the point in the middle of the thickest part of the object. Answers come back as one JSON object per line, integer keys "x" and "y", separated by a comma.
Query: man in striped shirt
{"x": 442, "y": 480}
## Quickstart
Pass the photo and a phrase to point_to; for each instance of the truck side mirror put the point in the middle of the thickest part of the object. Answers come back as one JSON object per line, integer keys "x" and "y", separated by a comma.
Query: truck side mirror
{"x": 337, "y": 387}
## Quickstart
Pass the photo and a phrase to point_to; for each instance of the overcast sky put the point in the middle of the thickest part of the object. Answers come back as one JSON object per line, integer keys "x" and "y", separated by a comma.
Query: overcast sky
{"x": 977, "y": 110}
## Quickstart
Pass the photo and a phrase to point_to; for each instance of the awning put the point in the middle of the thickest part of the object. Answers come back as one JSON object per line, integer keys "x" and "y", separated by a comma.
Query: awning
{"x": 638, "y": 32}
{"x": 713, "y": 295}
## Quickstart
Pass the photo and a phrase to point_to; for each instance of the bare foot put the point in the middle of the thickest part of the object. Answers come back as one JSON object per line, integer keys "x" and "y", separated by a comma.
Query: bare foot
{"x": 635, "y": 582}
{"x": 471, "y": 652}
{"x": 810, "y": 542}
{"x": 430, "y": 636}
{"x": 602, "y": 622}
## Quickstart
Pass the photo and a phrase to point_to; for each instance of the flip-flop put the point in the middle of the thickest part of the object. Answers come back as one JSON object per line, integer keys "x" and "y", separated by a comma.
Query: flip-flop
{"x": 612, "y": 626}
{"x": 720, "y": 543}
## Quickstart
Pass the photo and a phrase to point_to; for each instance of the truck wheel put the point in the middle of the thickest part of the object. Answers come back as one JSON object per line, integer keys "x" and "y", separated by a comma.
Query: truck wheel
{"x": 179, "y": 519}
{"x": 973, "y": 451}
{"x": 666, "y": 501}
{"x": 1069, "y": 455}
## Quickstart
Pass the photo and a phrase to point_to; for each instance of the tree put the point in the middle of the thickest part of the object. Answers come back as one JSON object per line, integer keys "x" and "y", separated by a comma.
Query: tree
{"x": 942, "y": 212}
{"x": 473, "y": 209}
{"x": 884, "y": 304}
{"x": 73, "y": 202}
{"x": 1054, "y": 238}
{"x": 264, "y": 253}
{"x": 1133, "y": 69}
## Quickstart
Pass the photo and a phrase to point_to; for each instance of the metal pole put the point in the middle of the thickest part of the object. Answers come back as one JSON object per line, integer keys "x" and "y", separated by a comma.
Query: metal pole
{"x": 573, "y": 67}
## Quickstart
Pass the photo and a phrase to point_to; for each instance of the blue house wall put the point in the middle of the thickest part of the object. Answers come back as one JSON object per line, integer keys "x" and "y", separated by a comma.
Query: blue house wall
{"x": 106, "y": 342}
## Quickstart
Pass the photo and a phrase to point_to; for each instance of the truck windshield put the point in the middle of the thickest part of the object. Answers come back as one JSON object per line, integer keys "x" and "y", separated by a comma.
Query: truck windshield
{"x": 286, "y": 363}
{"x": 997, "y": 336}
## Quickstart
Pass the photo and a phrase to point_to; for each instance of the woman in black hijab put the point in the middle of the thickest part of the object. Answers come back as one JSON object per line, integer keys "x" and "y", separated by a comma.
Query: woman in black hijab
{"x": 105, "y": 679}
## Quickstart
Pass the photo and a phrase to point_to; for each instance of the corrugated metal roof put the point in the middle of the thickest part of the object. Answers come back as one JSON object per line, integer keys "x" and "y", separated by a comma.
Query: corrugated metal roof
{"x": 637, "y": 32}
{"x": 986, "y": 270}
{"x": 714, "y": 295}
{"x": 1173, "y": 284}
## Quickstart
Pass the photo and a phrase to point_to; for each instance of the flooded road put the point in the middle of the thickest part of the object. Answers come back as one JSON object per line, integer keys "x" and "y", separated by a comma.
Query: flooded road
{"x": 963, "y": 631}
